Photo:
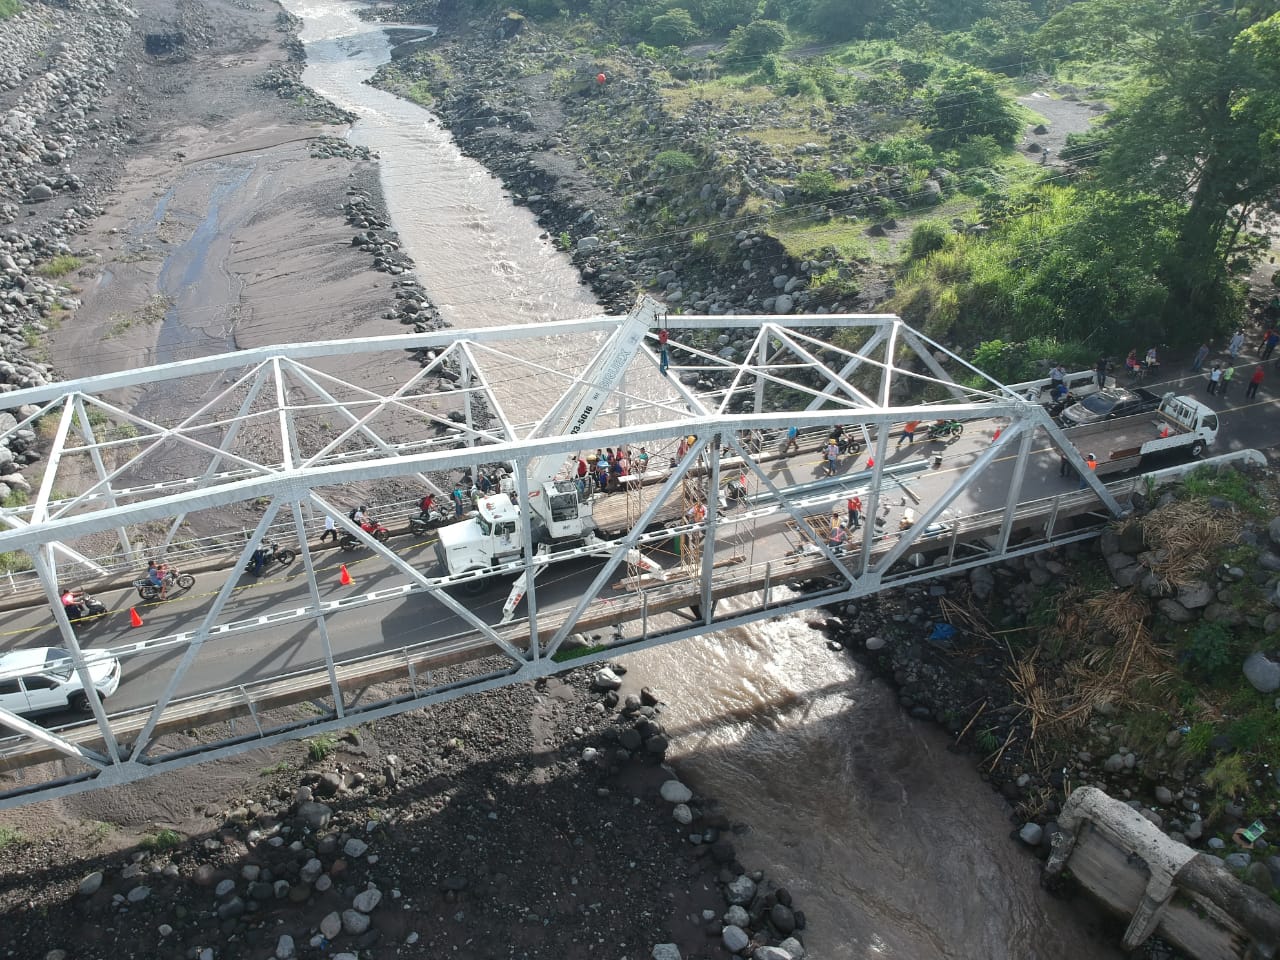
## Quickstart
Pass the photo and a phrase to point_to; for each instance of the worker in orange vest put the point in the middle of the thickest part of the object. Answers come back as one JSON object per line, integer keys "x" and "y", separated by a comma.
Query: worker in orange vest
{"x": 1092, "y": 463}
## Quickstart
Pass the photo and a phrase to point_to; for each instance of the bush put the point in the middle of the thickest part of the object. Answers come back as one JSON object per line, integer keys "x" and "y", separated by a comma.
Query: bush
{"x": 673, "y": 28}
{"x": 675, "y": 161}
{"x": 899, "y": 151}
{"x": 1209, "y": 649}
{"x": 815, "y": 184}
{"x": 926, "y": 238}
{"x": 757, "y": 38}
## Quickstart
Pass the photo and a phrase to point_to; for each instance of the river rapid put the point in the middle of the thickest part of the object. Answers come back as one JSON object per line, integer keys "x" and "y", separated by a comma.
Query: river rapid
{"x": 891, "y": 846}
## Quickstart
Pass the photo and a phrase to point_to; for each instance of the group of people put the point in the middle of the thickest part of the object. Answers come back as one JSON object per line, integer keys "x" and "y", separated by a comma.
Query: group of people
{"x": 1139, "y": 368}
{"x": 604, "y": 469}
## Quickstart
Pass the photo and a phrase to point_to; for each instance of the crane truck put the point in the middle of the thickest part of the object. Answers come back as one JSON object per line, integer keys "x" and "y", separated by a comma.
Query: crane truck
{"x": 560, "y": 516}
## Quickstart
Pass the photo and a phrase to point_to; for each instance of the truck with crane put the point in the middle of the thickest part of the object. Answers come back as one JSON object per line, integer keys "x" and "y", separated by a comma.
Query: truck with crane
{"x": 559, "y": 514}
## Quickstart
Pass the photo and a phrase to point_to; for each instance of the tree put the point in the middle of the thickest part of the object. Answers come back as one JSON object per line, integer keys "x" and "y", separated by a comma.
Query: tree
{"x": 757, "y": 38}
{"x": 673, "y": 28}
{"x": 967, "y": 104}
{"x": 1199, "y": 127}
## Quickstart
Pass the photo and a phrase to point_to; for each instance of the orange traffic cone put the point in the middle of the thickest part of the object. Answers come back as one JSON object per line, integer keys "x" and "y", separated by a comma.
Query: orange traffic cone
{"x": 345, "y": 578}
{"x": 871, "y": 462}
{"x": 134, "y": 619}
{"x": 996, "y": 436}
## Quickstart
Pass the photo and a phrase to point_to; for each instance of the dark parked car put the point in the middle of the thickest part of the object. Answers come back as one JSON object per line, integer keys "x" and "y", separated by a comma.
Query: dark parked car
{"x": 1108, "y": 404}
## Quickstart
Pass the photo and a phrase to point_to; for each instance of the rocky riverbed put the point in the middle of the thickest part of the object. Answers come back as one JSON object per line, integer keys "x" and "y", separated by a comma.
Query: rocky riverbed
{"x": 536, "y": 821}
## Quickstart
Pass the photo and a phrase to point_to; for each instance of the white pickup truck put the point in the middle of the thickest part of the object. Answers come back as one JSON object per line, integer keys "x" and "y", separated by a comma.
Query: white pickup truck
{"x": 1121, "y": 444}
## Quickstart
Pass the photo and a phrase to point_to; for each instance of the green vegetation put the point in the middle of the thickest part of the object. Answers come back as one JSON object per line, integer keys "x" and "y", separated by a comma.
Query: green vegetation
{"x": 320, "y": 747}
{"x": 1227, "y": 484}
{"x": 59, "y": 266}
{"x": 10, "y": 836}
{"x": 162, "y": 840}
{"x": 282, "y": 767}
{"x": 8, "y": 8}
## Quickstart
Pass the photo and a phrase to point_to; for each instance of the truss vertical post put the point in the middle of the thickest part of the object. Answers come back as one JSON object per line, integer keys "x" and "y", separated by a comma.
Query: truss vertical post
{"x": 526, "y": 532}
{"x": 762, "y": 358}
{"x": 100, "y": 467}
{"x": 873, "y": 498}
{"x": 313, "y": 587}
{"x": 464, "y": 373}
{"x": 42, "y": 560}
{"x": 1015, "y": 490}
{"x": 709, "y": 526}
{"x": 288, "y": 441}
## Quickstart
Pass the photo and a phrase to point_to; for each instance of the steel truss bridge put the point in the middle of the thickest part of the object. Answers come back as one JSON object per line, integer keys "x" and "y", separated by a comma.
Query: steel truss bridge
{"x": 168, "y": 461}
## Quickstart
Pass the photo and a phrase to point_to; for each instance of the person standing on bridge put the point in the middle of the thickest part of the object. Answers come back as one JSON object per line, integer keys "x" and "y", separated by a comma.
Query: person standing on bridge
{"x": 1100, "y": 370}
{"x": 792, "y": 442}
{"x": 1198, "y": 360}
{"x": 1058, "y": 373}
{"x": 1254, "y": 382}
{"x": 836, "y": 538}
{"x": 1092, "y": 463}
{"x": 330, "y": 529}
{"x": 1227, "y": 376}
{"x": 854, "y": 506}
{"x": 1269, "y": 341}
{"x": 1215, "y": 378}
{"x": 908, "y": 432}
{"x": 1236, "y": 344}
{"x": 833, "y": 455}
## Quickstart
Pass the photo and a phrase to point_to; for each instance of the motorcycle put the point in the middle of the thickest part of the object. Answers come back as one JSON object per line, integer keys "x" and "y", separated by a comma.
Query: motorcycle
{"x": 271, "y": 555}
{"x": 89, "y": 609}
{"x": 175, "y": 582}
{"x": 947, "y": 430}
{"x": 427, "y": 520}
{"x": 849, "y": 442}
{"x": 373, "y": 528}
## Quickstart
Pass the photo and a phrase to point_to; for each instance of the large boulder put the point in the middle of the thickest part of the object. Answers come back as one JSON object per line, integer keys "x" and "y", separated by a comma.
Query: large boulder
{"x": 1262, "y": 672}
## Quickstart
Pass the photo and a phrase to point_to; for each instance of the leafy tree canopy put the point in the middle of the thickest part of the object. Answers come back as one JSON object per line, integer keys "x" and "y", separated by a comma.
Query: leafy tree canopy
{"x": 968, "y": 104}
{"x": 673, "y": 28}
{"x": 757, "y": 38}
{"x": 1199, "y": 127}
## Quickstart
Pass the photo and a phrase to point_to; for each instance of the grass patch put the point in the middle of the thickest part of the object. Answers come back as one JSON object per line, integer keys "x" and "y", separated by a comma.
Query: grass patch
{"x": 320, "y": 747}
{"x": 564, "y": 656}
{"x": 8, "y": 8}
{"x": 788, "y": 137}
{"x": 1228, "y": 484}
{"x": 10, "y": 837}
{"x": 722, "y": 94}
{"x": 162, "y": 840}
{"x": 152, "y": 313}
{"x": 282, "y": 767}
{"x": 801, "y": 240}
{"x": 59, "y": 266}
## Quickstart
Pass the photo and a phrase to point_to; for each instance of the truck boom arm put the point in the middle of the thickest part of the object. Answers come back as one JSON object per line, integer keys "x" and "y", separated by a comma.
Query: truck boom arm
{"x": 577, "y": 410}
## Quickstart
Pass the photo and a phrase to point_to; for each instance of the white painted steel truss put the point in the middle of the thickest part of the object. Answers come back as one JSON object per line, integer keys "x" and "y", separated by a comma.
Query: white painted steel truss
{"x": 290, "y": 431}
